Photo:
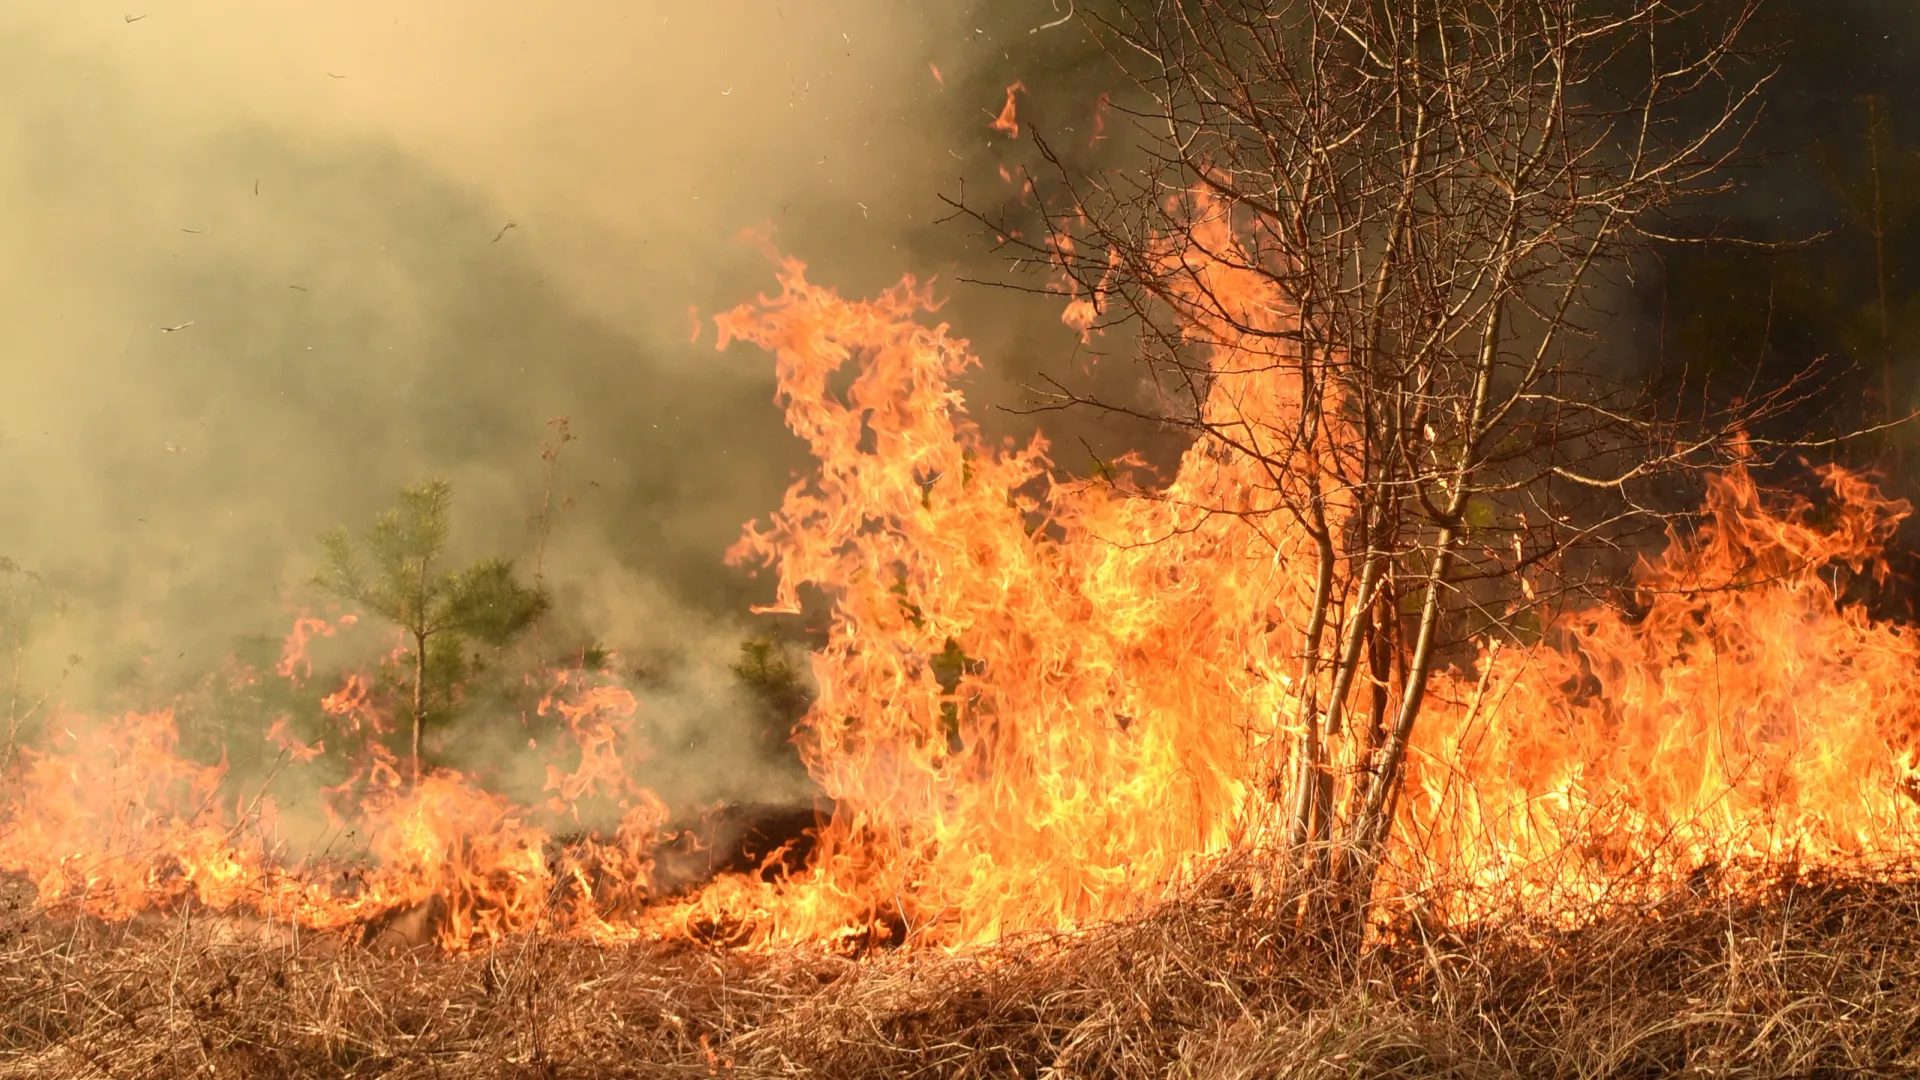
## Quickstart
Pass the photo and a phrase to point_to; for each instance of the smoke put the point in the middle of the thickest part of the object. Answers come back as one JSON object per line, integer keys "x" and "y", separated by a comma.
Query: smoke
{"x": 263, "y": 267}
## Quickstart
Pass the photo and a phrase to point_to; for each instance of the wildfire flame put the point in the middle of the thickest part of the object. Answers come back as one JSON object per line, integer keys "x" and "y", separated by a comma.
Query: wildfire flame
{"x": 1746, "y": 715}
{"x": 1043, "y": 701}
{"x": 1007, "y": 122}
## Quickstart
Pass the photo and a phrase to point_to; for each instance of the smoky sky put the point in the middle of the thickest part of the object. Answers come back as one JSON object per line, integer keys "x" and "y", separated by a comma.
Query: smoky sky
{"x": 263, "y": 266}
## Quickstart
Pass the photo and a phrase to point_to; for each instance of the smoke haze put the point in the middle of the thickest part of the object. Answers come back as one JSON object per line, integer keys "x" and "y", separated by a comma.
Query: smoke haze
{"x": 397, "y": 238}
{"x": 265, "y": 265}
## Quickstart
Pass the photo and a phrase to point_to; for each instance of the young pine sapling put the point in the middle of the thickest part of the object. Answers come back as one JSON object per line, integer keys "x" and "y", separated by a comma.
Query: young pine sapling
{"x": 439, "y": 610}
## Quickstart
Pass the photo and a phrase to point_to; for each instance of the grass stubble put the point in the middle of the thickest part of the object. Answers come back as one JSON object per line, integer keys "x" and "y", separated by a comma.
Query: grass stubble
{"x": 1804, "y": 975}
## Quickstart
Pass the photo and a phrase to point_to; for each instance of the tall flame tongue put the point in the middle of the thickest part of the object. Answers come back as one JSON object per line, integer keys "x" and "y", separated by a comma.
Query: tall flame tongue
{"x": 1038, "y": 701}
{"x": 1746, "y": 716}
{"x": 1041, "y": 702}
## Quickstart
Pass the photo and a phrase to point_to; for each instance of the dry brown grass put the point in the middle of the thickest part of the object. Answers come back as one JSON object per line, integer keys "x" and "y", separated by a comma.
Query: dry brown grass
{"x": 1812, "y": 977}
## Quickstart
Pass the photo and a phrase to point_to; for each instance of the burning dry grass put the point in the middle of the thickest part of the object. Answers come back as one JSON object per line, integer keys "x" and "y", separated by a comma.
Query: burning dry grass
{"x": 1023, "y": 729}
{"x": 1811, "y": 976}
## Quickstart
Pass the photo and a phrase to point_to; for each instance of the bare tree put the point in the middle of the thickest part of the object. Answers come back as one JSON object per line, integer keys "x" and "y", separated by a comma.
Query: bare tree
{"x": 1356, "y": 255}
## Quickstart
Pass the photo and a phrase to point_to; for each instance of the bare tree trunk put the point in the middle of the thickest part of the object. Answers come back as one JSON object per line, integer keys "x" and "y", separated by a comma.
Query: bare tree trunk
{"x": 419, "y": 698}
{"x": 1310, "y": 766}
{"x": 1359, "y": 614}
{"x": 1370, "y": 831}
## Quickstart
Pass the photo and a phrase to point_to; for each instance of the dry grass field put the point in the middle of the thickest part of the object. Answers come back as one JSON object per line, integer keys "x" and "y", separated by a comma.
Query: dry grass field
{"x": 1812, "y": 976}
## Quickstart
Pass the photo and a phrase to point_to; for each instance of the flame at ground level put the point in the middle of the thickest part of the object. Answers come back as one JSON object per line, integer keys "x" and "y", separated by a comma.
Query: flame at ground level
{"x": 1043, "y": 702}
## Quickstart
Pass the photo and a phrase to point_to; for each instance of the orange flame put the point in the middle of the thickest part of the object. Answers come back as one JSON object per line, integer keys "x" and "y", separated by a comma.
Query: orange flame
{"x": 293, "y": 653}
{"x": 1745, "y": 715}
{"x": 1007, "y": 122}
{"x": 290, "y": 744}
{"x": 114, "y": 820}
{"x": 1042, "y": 701}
